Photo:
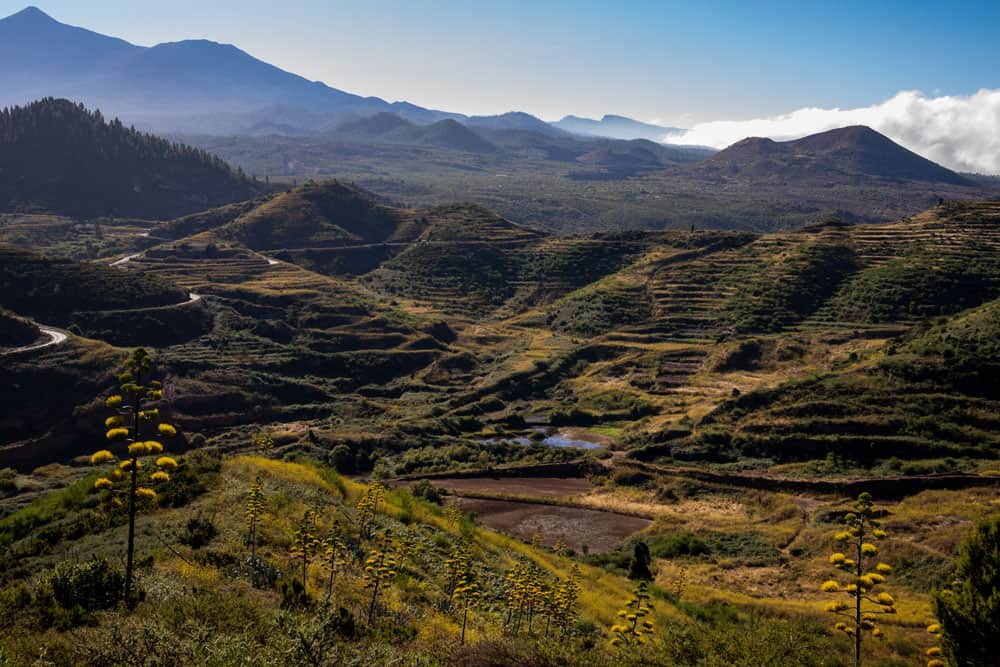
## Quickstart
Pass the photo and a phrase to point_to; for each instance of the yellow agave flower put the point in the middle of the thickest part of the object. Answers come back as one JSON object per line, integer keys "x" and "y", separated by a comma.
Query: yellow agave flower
{"x": 101, "y": 457}
{"x": 166, "y": 462}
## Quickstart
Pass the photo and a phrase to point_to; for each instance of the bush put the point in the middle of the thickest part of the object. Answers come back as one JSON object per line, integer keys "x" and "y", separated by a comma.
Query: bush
{"x": 198, "y": 532}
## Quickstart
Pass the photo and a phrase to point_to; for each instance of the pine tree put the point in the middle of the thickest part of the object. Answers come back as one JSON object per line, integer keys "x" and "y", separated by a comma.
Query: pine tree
{"x": 863, "y": 605}
{"x": 134, "y": 421}
{"x": 969, "y": 609}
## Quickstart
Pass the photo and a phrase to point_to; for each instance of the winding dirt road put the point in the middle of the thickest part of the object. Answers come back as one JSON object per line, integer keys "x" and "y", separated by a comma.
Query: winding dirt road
{"x": 55, "y": 338}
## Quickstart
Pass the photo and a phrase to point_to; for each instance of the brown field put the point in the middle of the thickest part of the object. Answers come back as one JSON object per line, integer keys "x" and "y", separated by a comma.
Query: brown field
{"x": 599, "y": 531}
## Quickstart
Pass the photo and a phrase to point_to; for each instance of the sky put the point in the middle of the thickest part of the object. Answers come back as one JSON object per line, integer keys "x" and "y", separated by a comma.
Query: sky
{"x": 687, "y": 64}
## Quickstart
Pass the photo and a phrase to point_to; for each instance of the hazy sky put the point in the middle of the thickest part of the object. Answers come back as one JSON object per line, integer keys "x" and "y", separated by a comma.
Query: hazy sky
{"x": 679, "y": 63}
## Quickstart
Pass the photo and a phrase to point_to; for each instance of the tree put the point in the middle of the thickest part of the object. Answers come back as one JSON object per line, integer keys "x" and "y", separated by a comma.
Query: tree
{"x": 968, "y": 611}
{"x": 634, "y": 624}
{"x": 134, "y": 422}
{"x": 380, "y": 567}
{"x": 639, "y": 567}
{"x": 863, "y": 605}
{"x": 305, "y": 543}
{"x": 255, "y": 507}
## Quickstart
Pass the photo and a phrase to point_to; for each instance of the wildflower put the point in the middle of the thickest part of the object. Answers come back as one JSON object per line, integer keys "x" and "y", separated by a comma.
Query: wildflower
{"x": 883, "y": 568}
{"x": 113, "y": 422}
{"x": 879, "y": 534}
{"x": 143, "y": 493}
{"x": 837, "y": 559}
{"x": 842, "y": 536}
{"x": 153, "y": 447}
{"x": 876, "y": 578}
{"x": 166, "y": 462}
{"x": 103, "y": 483}
{"x": 885, "y": 600}
{"x": 869, "y": 549}
{"x": 138, "y": 449}
{"x": 117, "y": 433}
{"x": 101, "y": 457}
{"x": 836, "y": 606}
{"x": 934, "y": 628}
{"x": 876, "y": 632}
{"x": 160, "y": 476}
{"x": 127, "y": 464}
{"x": 116, "y": 475}
{"x": 114, "y": 402}
{"x": 166, "y": 430}
{"x": 830, "y": 586}
{"x": 934, "y": 651}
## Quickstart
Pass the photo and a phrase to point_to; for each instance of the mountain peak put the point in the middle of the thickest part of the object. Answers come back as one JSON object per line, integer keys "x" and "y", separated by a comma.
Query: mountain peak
{"x": 30, "y": 13}
{"x": 836, "y": 153}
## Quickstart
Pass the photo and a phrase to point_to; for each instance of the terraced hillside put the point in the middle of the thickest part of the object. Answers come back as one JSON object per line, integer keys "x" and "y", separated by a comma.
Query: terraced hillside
{"x": 448, "y": 326}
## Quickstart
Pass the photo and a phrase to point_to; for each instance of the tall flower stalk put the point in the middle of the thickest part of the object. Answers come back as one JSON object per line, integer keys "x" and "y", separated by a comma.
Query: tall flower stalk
{"x": 136, "y": 423}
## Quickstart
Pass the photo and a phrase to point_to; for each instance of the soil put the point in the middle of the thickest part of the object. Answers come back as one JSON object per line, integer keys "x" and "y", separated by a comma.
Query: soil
{"x": 600, "y": 531}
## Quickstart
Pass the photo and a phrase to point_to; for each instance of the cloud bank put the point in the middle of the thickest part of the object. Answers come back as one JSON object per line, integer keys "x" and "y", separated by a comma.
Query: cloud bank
{"x": 961, "y": 133}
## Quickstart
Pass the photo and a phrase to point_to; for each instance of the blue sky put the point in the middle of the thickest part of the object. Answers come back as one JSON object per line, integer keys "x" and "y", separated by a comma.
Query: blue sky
{"x": 680, "y": 63}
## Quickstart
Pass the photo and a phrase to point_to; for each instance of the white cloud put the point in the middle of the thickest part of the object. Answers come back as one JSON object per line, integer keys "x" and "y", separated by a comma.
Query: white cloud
{"x": 962, "y": 133}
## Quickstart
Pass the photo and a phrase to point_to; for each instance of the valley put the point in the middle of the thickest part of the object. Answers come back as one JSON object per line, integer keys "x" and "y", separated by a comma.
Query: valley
{"x": 316, "y": 378}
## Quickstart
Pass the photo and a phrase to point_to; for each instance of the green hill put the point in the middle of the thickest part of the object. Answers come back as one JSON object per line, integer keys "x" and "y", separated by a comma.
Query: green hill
{"x": 58, "y": 157}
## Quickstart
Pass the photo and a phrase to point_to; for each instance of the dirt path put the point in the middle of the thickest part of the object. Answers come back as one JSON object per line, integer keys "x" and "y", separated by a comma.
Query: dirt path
{"x": 126, "y": 259}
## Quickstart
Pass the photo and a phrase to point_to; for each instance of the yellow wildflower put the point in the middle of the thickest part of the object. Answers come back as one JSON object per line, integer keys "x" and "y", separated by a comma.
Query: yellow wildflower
{"x": 166, "y": 462}
{"x": 101, "y": 457}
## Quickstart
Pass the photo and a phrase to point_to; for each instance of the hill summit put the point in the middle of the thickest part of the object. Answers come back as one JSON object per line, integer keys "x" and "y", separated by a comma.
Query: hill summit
{"x": 854, "y": 150}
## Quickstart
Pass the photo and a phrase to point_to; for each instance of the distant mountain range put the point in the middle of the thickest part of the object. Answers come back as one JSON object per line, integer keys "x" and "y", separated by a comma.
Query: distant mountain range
{"x": 198, "y": 86}
{"x": 615, "y": 127}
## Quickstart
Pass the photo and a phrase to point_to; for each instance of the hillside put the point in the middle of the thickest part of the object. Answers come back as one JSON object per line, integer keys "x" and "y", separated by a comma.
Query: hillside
{"x": 56, "y": 156}
{"x": 836, "y": 154}
{"x": 715, "y": 396}
{"x": 574, "y": 184}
